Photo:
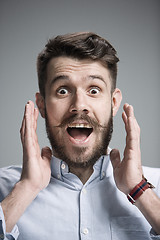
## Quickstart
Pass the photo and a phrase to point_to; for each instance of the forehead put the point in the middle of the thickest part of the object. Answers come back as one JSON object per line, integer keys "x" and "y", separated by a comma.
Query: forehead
{"x": 75, "y": 67}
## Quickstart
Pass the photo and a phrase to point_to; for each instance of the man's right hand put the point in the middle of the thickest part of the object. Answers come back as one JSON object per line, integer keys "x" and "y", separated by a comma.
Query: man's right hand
{"x": 36, "y": 163}
{"x": 36, "y": 170}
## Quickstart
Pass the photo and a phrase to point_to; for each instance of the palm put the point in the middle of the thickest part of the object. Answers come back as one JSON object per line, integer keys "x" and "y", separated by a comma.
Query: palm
{"x": 36, "y": 164}
{"x": 128, "y": 172}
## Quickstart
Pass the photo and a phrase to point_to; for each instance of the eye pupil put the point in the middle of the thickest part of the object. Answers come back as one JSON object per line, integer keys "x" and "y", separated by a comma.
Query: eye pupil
{"x": 94, "y": 91}
{"x": 62, "y": 91}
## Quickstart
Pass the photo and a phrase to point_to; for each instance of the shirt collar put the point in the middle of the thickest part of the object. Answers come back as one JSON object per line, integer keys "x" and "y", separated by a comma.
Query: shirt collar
{"x": 59, "y": 168}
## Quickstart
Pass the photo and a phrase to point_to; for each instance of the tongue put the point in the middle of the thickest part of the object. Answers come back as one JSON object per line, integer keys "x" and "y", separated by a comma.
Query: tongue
{"x": 79, "y": 134}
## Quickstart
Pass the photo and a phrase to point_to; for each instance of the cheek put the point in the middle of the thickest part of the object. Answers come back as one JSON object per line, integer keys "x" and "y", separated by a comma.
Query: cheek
{"x": 103, "y": 111}
{"x": 55, "y": 111}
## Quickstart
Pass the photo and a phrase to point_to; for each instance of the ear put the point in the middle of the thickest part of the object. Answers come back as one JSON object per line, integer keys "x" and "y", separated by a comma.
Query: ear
{"x": 116, "y": 100}
{"x": 40, "y": 104}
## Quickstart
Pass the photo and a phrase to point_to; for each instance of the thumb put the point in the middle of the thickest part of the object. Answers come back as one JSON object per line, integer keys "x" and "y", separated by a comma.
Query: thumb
{"x": 115, "y": 158}
{"x": 46, "y": 153}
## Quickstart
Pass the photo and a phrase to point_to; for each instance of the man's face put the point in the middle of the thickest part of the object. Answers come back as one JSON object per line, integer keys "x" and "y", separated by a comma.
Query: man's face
{"x": 78, "y": 109}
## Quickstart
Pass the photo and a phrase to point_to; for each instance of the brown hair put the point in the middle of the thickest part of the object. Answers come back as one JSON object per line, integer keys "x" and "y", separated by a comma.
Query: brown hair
{"x": 82, "y": 45}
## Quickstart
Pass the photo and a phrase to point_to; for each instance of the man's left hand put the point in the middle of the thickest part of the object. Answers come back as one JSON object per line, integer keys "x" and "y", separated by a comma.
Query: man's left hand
{"x": 128, "y": 172}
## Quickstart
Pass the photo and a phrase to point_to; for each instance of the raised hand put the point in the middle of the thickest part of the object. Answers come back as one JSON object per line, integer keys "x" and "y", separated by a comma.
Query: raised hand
{"x": 36, "y": 163}
{"x": 36, "y": 170}
{"x": 128, "y": 172}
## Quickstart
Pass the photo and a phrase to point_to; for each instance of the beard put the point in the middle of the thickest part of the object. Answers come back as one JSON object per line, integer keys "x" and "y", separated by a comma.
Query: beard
{"x": 80, "y": 160}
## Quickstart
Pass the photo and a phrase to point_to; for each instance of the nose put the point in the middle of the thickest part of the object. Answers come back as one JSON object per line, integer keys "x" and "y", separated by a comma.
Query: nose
{"x": 79, "y": 103}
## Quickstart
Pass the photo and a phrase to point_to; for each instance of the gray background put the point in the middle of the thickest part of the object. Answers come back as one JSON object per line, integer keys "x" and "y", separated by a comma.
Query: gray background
{"x": 133, "y": 29}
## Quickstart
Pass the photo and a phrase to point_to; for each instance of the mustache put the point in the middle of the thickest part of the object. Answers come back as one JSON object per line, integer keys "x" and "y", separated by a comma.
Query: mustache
{"x": 92, "y": 122}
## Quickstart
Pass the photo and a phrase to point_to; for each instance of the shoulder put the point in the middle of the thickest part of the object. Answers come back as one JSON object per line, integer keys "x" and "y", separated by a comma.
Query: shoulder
{"x": 153, "y": 176}
{"x": 10, "y": 171}
{"x": 9, "y": 176}
{"x": 153, "y": 173}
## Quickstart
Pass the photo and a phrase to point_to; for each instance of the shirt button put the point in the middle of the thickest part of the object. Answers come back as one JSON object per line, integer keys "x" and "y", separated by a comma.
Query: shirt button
{"x": 84, "y": 191}
{"x": 103, "y": 174}
{"x": 63, "y": 166}
{"x": 58, "y": 176}
{"x": 85, "y": 231}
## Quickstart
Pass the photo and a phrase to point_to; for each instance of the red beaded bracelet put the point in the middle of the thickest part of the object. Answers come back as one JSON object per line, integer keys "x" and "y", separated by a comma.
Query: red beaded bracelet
{"x": 138, "y": 190}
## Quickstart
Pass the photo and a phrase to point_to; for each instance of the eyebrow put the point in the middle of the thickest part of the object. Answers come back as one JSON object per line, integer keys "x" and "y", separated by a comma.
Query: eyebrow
{"x": 60, "y": 77}
{"x": 97, "y": 77}
{"x": 66, "y": 77}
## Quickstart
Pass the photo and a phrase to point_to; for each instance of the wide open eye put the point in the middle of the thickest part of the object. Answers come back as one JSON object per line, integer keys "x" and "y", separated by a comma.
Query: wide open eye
{"x": 94, "y": 90}
{"x": 62, "y": 91}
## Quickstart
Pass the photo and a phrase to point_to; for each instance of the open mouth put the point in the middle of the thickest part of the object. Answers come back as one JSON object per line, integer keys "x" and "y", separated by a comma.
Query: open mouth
{"x": 79, "y": 132}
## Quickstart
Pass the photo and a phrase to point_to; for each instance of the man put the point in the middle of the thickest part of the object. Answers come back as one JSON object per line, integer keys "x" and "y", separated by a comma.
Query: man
{"x": 77, "y": 193}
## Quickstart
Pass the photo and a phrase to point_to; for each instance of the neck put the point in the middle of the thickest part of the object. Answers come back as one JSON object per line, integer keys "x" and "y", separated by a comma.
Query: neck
{"x": 82, "y": 173}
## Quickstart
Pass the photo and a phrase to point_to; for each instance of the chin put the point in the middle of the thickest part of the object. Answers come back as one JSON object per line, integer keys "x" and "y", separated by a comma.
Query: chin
{"x": 81, "y": 157}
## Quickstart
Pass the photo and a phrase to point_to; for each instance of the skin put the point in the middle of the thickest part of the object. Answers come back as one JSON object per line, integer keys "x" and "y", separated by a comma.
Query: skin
{"x": 36, "y": 163}
{"x": 77, "y": 87}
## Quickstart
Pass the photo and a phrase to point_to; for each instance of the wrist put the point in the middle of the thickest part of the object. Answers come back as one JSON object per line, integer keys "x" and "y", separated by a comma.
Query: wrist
{"x": 144, "y": 197}
{"x": 16, "y": 203}
{"x": 27, "y": 188}
{"x": 138, "y": 190}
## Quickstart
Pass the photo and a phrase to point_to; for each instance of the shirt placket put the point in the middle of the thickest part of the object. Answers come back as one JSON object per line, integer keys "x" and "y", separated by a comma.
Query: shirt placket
{"x": 85, "y": 215}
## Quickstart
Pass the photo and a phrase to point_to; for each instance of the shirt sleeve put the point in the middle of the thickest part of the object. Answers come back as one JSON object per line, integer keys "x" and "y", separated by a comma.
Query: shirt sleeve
{"x": 13, "y": 235}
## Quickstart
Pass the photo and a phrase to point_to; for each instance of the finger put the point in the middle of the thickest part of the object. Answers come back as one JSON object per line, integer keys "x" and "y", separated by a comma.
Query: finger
{"x": 36, "y": 113}
{"x": 134, "y": 131}
{"x": 128, "y": 117}
{"x": 34, "y": 134}
{"x": 128, "y": 112}
{"x": 124, "y": 117}
{"x": 128, "y": 109}
{"x": 33, "y": 126}
{"x": 132, "y": 127}
{"x": 32, "y": 113}
{"x": 115, "y": 158}
{"x": 132, "y": 137}
{"x": 28, "y": 124}
{"x": 34, "y": 117}
{"x": 132, "y": 122}
{"x": 22, "y": 129}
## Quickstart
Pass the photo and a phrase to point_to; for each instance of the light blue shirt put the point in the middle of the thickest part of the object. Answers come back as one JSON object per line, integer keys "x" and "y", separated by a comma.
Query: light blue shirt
{"x": 68, "y": 210}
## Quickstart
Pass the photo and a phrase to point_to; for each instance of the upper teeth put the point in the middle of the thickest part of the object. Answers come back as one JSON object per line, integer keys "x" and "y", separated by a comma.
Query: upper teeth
{"x": 79, "y": 125}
